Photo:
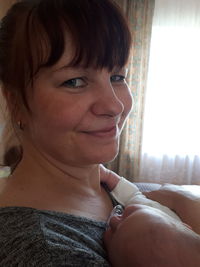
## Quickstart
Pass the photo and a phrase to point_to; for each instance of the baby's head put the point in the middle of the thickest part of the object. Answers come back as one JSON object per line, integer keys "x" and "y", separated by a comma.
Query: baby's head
{"x": 144, "y": 236}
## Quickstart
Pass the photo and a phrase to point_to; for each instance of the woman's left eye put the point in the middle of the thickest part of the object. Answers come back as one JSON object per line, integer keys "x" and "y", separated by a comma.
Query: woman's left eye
{"x": 117, "y": 78}
{"x": 75, "y": 83}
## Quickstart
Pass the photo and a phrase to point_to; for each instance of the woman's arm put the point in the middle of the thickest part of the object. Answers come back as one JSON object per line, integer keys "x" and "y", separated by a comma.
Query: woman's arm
{"x": 184, "y": 202}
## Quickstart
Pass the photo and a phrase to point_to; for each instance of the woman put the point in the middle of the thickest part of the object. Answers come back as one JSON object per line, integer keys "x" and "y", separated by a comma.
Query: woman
{"x": 63, "y": 69}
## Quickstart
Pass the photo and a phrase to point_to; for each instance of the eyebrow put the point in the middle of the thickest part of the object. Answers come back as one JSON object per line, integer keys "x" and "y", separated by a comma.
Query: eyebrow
{"x": 62, "y": 68}
{"x": 121, "y": 69}
{"x": 69, "y": 66}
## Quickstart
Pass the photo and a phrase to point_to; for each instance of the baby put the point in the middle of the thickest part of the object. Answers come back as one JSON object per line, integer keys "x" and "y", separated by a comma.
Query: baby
{"x": 145, "y": 236}
{"x": 146, "y": 233}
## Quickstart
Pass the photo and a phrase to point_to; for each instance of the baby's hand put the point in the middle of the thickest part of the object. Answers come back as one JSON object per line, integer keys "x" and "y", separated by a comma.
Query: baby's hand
{"x": 108, "y": 177}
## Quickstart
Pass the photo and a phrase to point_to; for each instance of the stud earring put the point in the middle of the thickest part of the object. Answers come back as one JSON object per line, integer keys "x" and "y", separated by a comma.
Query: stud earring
{"x": 20, "y": 125}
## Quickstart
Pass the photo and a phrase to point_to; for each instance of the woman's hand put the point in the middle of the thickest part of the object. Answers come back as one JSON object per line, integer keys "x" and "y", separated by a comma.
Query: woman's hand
{"x": 183, "y": 201}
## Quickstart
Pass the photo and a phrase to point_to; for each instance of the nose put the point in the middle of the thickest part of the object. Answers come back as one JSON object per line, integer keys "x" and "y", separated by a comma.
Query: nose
{"x": 108, "y": 103}
{"x": 115, "y": 217}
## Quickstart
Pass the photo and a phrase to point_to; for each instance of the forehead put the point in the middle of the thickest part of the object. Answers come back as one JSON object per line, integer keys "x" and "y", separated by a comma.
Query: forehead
{"x": 66, "y": 62}
{"x": 69, "y": 51}
{"x": 80, "y": 38}
{"x": 65, "y": 59}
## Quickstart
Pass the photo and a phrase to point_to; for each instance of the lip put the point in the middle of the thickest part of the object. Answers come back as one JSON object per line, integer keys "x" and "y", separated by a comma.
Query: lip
{"x": 106, "y": 132}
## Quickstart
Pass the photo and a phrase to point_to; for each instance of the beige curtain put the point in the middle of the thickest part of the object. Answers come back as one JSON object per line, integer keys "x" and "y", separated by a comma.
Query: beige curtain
{"x": 140, "y": 15}
{"x": 171, "y": 136}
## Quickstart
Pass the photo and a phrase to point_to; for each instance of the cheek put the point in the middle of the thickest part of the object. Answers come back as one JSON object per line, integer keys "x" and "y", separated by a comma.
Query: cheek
{"x": 57, "y": 112}
{"x": 107, "y": 237}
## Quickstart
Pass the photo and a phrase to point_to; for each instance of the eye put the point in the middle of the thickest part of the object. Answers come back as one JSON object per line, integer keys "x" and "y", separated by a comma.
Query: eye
{"x": 117, "y": 78}
{"x": 75, "y": 83}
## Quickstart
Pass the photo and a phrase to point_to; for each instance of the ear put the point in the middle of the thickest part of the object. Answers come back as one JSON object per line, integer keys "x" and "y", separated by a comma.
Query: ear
{"x": 3, "y": 104}
{"x": 15, "y": 109}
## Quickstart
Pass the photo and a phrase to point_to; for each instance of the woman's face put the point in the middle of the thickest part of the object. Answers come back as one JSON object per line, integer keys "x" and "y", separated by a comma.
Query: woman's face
{"x": 77, "y": 114}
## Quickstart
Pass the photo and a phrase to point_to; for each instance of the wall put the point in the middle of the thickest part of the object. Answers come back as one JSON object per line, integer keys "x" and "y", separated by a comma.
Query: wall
{"x": 4, "y": 5}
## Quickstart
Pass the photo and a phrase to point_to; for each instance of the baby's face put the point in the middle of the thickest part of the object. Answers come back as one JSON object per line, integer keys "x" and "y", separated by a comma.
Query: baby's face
{"x": 132, "y": 218}
{"x": 134, "y": 233}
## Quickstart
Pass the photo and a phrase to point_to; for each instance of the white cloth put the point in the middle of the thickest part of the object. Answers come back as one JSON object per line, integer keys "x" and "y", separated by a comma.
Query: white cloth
{"x": 126, "y": 193}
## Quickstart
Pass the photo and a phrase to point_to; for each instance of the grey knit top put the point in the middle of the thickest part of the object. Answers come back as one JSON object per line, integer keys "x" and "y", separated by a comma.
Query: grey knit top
{"x": 42, "y": 238}
{"x": 31, "y": 237}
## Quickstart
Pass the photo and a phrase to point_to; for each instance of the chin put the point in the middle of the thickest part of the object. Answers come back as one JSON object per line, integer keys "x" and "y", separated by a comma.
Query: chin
{"x": 110, "y": 159}
{"x": 106, "y": 157}
{"x": 110, "y": 153}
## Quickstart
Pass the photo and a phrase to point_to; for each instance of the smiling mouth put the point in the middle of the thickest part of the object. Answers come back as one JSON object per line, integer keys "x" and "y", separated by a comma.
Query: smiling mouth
{"x": 109, "y": 132}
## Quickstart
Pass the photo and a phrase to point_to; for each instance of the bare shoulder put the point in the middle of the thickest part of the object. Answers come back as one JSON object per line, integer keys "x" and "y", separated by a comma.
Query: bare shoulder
{"x": 7, "y": 193}
{"x": 3, "y": 183}
{"x": 3, "y": 195}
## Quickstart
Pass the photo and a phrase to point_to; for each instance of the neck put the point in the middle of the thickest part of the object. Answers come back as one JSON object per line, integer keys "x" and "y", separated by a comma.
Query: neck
{"x": 43, "y": 183}
{"x": 38, "y": 171}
